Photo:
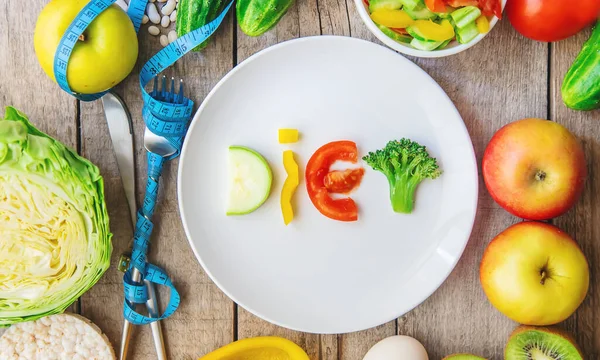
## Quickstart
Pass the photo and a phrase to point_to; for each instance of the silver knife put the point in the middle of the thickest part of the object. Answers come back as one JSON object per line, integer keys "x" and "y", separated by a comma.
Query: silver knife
{"x": 120, "y": 127}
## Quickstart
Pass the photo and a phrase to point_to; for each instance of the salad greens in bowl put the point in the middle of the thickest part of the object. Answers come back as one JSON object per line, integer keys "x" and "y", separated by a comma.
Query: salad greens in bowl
{"x": 430, "y": 28}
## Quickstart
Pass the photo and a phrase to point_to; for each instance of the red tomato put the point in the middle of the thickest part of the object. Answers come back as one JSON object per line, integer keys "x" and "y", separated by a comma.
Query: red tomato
{"x": 436, "y": 5}
{"x": 318, "y": 167}
{"x": 491, "y": 8}
{"x": 459, "y": 3}
{"x": 551, "y": 20}
{"x": 342, "y": 182}
{"x": 400, "y": 31}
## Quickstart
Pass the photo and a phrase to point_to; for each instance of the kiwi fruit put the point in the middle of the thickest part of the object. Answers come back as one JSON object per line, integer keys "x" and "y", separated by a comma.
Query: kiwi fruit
{"x": 551, "y": 343}
{"x": 463, "y": 357}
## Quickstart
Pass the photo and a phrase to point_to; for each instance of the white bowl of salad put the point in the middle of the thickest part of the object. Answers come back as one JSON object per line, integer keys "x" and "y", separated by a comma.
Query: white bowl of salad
{"x": 430, "y": 28}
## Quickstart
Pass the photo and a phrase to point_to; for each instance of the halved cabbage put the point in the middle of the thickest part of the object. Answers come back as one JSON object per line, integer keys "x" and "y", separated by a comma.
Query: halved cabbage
{"x": 55, "y": 241}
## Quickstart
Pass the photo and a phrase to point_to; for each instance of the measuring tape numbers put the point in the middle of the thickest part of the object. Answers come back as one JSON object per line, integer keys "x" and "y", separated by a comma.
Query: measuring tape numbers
{"x": 166, "y": 119}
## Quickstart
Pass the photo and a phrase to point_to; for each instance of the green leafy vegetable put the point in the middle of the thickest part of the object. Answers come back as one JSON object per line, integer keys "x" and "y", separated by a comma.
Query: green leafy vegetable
{"x": 406, "y": 164}
{"x": 55, "y": 241}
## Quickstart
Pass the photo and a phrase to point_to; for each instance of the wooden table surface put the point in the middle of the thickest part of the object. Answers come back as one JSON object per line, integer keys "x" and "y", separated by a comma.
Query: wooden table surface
{"x": 504, "y": 78}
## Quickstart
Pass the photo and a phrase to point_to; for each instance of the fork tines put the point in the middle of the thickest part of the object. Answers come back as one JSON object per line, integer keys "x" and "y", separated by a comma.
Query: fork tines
{"x": 164, "y": 94}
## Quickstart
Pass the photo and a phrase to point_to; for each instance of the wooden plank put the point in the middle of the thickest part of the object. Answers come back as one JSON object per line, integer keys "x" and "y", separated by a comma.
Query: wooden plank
{"x": 204, "y": 320}
{"x": 25, "y": 85}
{"x": 581, "y": 222}
{"x": 489, "y": 92}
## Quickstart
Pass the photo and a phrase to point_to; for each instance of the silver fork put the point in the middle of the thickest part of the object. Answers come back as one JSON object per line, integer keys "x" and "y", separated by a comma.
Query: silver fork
{"x": 162, "y": 147}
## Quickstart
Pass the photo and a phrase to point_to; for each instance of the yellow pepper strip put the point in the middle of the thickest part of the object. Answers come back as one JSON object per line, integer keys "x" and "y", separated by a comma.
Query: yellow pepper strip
{"x": 289, "y": 186}
{"x": 434, "y": 32}
{"x": 483, "y": 24}
{"x": 392, "y": 18}
{"x": 288, "y": 136}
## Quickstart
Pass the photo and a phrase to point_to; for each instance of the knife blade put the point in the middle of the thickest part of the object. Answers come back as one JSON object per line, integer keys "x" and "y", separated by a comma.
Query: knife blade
{"x": 120, "y": 127}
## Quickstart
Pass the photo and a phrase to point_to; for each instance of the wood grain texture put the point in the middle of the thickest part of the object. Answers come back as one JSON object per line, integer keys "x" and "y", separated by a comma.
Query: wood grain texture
{"x": 24, "y": 84}
{"x": 582, "y": 221}
{"x": 204, "y": 320}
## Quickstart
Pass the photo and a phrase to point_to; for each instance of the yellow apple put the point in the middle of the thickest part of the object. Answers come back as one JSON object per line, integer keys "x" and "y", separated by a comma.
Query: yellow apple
{"x": 534, "y": 273}
{"x": 103, "y": 56}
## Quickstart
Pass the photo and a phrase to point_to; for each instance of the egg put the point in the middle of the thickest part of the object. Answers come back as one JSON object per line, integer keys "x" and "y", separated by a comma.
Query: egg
{"x": 399, "y": 347}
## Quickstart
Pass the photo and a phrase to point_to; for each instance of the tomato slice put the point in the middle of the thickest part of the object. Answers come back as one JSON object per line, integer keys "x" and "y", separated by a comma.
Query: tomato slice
{"x": 491, "y": 7}
{"x": 460, "y": 3}
{"x": 318, "y": 167}
{"x": 400, "y": 31}
{"x": 343, "y": 181}
{"x": 436, "y": 5}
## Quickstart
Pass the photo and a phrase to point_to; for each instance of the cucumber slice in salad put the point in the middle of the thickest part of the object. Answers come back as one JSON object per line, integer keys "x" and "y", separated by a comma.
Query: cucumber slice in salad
{"x": 463, "y": 17}
{"x": 249, "y": 180}
{"x": 425, "y": 45}
{"x": 420, "y": 12}
{"x": 467, "y": 33}
{"x": 412, "y": 4}
{"x": 403, "y": 39}
{"x": 384, "y": 4}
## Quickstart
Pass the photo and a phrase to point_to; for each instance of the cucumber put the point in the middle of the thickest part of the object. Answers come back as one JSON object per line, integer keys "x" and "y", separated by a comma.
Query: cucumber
{"x": 421, "y": 12}
{"x": 384, "y": 4}
{"x": 411, "y": 4}
{"x": 403, "y": 39}
{"x": 425, "y": 45}
{"x": 468, "y": 33}
{"x": 249, "y": 180}
{"x": 193, "y": 14}
{"x": 580, "y": 89}
{"x": 443, "y": 44}
{"x": 256, "y": 17}
{"x": 465, "y": 16}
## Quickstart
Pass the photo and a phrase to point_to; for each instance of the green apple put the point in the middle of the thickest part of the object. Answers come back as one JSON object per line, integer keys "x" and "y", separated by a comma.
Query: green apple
{"x": 249, "y": 180}
{"x": 534, "y": 273}
{"x": 102, "y": 57}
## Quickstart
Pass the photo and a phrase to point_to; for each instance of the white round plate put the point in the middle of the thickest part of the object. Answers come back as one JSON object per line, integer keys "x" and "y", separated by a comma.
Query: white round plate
{"x": 316, "y": 274}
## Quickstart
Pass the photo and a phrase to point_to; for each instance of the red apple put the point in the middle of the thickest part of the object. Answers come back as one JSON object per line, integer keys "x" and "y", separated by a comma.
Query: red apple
{"x": 534, "y": 168}
{"x": 534, "y": 273}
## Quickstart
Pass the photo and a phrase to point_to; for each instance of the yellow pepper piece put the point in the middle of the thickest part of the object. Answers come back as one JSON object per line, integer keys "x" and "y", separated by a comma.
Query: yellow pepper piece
{"x": 289, "y": 186}
{"x": 483, "y": 24}
{"x": 288, "y": 136}
{"x": 258, "y": 348}
{"x": 392, "y": 18}
{"x": 434, "y": 32}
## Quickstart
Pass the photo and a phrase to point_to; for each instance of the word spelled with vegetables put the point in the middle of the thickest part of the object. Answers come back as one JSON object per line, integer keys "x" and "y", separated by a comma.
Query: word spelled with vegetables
{"x": 54, "y": 227}
{"x": 405, "y": 164}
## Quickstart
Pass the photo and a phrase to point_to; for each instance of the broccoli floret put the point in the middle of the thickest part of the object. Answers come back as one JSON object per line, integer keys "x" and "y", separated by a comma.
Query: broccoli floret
{"x": 405, "y": 163}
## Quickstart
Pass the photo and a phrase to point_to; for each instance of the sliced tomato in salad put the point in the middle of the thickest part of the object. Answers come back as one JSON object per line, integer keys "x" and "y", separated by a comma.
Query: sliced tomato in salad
{"x": 460, "y": 3}
{"x": 491, "y": 8}
{"x": 436, "y": 5}
{"x": 399, "y": 31}
{"x": 317, "y": 168}
{"x": 343, "y": 181}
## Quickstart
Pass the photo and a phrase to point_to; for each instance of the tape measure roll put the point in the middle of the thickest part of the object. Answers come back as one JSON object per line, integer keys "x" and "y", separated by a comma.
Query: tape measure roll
{"x": 169, "y": 120}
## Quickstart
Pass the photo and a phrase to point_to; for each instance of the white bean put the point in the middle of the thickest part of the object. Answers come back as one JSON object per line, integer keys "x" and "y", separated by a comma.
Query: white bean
{"x": 152, "y": 0}
{"x": 169, "y": 7}
{"x": 145, "y": 19}
{"x": 172, "y": 36}
{"x": 153, "y": 30}
{"x": 173, "y": 16}
{"x": 162, "y": 0}
{"x": 153, "y": 14}
{"x": 164, "y": 41}
{"x": 165, "y": 22}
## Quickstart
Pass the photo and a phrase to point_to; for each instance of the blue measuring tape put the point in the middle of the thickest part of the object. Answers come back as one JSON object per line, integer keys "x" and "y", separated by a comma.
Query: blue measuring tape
{"x": 166, "y": 119}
